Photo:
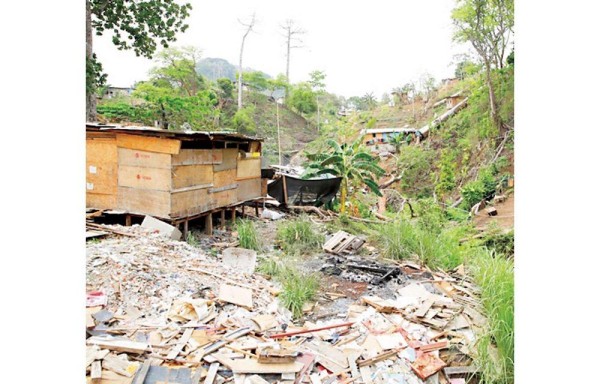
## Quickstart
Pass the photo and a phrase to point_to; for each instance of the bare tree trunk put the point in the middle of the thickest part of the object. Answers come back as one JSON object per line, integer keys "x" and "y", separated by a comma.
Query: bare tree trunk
{"x": 493, "y": 105}
{"x": 249, "y": 27}
{"x": 90, "y": 105}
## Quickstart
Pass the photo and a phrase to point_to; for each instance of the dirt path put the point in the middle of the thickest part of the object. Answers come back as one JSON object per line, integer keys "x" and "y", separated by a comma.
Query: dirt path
{"x": 505, "y": 218}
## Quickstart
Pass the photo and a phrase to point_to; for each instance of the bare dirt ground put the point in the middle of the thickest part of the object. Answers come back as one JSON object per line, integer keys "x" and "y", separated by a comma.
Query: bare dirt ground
{"x": 505, "y": 218}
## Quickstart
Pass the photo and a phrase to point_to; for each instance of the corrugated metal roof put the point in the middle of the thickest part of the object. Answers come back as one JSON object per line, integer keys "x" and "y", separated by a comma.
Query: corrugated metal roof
{"x": 187, "y": 134}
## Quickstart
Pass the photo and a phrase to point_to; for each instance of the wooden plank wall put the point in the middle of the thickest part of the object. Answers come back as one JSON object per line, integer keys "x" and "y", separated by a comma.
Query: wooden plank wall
{"x": 145, "y": 175}
{"x": 101, "y": 171}
{"x": 154, "y": 176}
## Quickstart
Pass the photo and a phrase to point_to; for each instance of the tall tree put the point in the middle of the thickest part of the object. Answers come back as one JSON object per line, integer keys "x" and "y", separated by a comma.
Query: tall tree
{"x": 177, "y": 93}
{"x": 248, "y": 25}
{"x": 317, "y": 82}
{"x": 292, "y": 34}
{"x": 348, "y": 161}
{"x": 135, "y": 25}
{"x": 488, "y": 26}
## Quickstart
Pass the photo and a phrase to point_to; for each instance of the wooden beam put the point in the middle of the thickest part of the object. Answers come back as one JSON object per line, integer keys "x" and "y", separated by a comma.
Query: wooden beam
{"x": 285, "y": 195}
{"x": 208, "y": 225}
{"x": 128, "y": 220}
{"x": 185, "y": 229}
{"x": 222, "y": 222}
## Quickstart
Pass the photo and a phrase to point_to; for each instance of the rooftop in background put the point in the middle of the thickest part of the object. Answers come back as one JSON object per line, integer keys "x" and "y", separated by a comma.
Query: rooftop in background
{"x": 389, "y": 130}
{"x": 187, "y": 134}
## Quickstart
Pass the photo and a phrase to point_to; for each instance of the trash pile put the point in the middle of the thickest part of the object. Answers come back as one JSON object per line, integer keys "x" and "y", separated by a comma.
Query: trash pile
{"x": 161, "y": 311}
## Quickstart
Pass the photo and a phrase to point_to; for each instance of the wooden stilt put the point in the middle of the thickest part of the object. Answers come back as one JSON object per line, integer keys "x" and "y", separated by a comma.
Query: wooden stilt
{"x": 209, "y": 225}
{"x": 185, "y": 229}
{"x": 222, "y": 218}
{"x": 243, "y": 210}
{"x": 128, "y": 220}
{"x": 256, "y": 209}
{"x": 233, "y": 215}
{"x": 285, "y": 195}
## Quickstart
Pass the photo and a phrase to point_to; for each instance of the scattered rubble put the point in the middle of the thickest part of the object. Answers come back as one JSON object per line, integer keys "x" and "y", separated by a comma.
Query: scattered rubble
{"x": 163, "y": 311}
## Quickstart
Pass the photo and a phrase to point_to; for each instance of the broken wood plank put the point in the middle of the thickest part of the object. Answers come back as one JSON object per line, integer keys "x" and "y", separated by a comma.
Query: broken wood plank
{"x": 253, "y": 366}
{"x": 280, "y": 335}
{"x": 117, "y": 365}
{"x": 182, "y": 342}
{"x": 255, "y": 379}
{"x": 118, "y": 344}
{"x": 365, "y": 374}
{"x": 276, "y": 356}
{"x": 379, "y": 357}
{"x": 141, "y": 373}
{"x": 96, "y": 372}
{"x": 460, "y": 370}
{"x": 212, "y": 373}
{"x": 236, "y": 295}
{"x": 353, "y": 367}
{"x": 424, "y": 308}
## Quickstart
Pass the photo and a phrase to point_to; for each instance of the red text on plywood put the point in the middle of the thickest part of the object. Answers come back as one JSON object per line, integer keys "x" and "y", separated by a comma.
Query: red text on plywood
{"x": 143, "y": 177}
{"x": 142, "y": 155}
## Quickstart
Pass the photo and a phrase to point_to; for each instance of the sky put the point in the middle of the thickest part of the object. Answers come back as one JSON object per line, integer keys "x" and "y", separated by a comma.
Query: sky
{"x": 362, "y": 46}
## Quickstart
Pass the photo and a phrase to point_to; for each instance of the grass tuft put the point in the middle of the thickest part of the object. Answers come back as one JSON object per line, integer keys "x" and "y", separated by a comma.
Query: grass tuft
{"x": 298, "y": 288}
{"x": 404, "y": 239}
{"x": 495, "y": 346}
{"x": 247, "y": 235}
{"x": 298, "y": 237}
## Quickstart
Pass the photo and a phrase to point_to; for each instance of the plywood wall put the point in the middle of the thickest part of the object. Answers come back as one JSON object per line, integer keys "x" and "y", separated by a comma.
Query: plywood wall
{"x": 101, "y": 172}
{"x": 154, "y": 176}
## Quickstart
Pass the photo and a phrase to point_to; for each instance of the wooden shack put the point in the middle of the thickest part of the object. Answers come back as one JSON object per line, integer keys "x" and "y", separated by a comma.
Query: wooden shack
{"x": 170, "y": 175}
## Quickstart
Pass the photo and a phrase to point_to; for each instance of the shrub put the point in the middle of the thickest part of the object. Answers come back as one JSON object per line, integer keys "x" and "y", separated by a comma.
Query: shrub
{"x": 243, "y": 120}
{"x": 247, "y": 235}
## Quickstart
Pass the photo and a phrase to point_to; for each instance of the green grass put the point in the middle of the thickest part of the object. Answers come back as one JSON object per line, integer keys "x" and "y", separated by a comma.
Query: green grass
{"x": 192, "y": 239}
{"x": 495, "y": 346}
{"x": 298, "y": 237}
{"x": 298, "y": 287}
{"x": 248, "y": 235}
{"x": 405, "y": 239}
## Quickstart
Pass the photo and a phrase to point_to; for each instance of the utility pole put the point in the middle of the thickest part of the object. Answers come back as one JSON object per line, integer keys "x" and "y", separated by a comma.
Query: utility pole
{"x": 249, "y": 27}
{"x": 278, "y": 132}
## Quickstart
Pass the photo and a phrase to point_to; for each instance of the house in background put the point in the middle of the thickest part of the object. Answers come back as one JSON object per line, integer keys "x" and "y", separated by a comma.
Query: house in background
{"x": 383, "y": 135}
{"x": 112, "y": 92}
{"x": 453, "y": 100}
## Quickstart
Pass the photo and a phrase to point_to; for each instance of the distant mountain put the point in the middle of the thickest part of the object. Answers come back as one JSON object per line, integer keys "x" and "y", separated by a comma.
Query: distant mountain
{"x": 214, "y": 68}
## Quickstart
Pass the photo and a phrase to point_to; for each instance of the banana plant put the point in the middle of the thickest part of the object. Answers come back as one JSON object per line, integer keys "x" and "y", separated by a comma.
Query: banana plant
{"x": 350, "y": 161}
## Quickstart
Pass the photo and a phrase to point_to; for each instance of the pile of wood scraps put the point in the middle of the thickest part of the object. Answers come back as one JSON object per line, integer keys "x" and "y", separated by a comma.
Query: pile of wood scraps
{"x": 161, "y": 311}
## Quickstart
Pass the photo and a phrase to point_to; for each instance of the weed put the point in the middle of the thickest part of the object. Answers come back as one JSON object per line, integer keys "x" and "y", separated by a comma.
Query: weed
{"x": 495, "y": 346}
{"x": 298, "y": 288}
{"x": 404, "y": 239}
{"x": 247, "y": 235}
{"x": 192, "y": 239}
{"x": 298, "y": 237}
{"x": 270, "y": 266}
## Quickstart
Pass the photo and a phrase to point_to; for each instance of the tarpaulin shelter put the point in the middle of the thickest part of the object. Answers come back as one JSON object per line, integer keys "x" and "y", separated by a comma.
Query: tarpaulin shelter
{"x": 290, "y": 190}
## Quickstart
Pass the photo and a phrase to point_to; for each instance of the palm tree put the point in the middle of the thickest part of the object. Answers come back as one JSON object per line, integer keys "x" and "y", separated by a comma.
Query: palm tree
{"x": 348, "y": 161}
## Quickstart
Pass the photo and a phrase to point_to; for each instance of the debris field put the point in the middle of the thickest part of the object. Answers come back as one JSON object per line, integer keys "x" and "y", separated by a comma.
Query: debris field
{"x": 162, "y": 311}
